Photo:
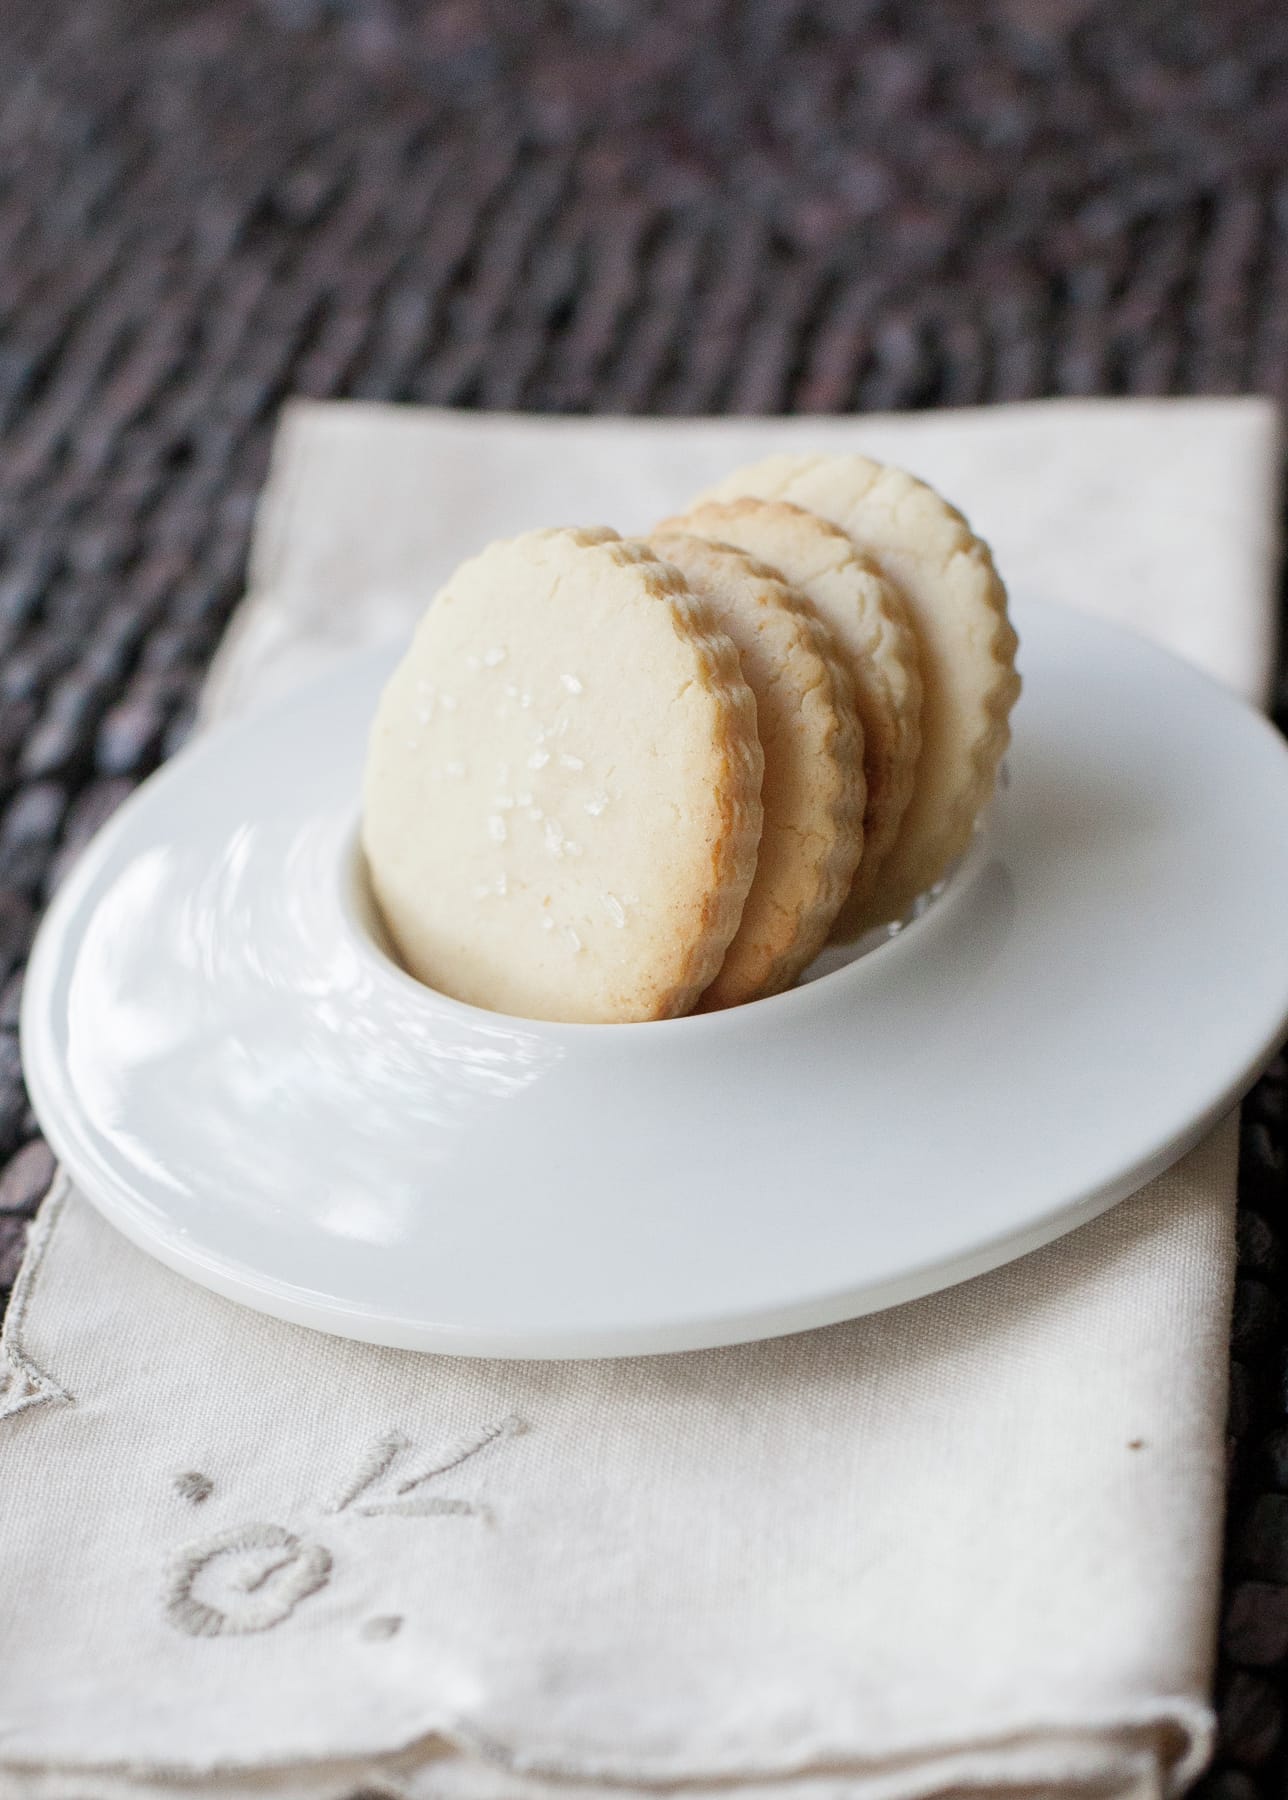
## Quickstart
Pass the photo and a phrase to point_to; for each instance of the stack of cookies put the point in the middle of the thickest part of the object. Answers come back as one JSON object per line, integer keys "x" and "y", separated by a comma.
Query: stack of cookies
{"x": 619, "y": 780}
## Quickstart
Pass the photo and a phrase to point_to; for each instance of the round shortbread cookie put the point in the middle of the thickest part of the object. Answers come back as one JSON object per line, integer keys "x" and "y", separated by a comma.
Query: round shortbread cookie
{"x": 873, "y": 638}
{"x": 958, "y": 607}
{"x": 562, "y": 796}
{"x": 813, "y": 789}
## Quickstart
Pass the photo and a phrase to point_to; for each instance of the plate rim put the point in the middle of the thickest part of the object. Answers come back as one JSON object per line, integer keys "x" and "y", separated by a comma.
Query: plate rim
{"x": 340, "y": 1316}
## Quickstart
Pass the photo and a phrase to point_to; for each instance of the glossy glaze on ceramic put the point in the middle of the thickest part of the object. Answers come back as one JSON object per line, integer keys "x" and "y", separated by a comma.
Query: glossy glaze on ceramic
{"x": 240, "y": 1079}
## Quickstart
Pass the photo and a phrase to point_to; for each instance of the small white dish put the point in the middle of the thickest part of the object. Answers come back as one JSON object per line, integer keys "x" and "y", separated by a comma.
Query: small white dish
{"x": 238, "y": 1076}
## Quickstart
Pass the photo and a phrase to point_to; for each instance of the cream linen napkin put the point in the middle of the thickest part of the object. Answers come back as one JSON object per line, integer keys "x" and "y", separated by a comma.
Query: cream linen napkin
{"x": 970, "y": 1542}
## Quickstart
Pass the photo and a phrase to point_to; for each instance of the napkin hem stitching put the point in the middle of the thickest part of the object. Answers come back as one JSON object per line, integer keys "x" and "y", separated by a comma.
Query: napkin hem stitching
{"x": 1190, "y": 1722}
{"x": 934, "y": 1768}
{"x": 34, "y": 1386}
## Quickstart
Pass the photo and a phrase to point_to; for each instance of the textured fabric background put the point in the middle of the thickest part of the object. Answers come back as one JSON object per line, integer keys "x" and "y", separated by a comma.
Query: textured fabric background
{"x": 606, "y": 205}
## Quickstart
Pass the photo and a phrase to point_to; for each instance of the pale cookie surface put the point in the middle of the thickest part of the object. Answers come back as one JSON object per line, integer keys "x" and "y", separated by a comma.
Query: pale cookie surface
{"x": 813, "y": 744}
{"x": 869, "y": 627}
{"x": 562, "y": 796}
{"x": 958, "y": 608}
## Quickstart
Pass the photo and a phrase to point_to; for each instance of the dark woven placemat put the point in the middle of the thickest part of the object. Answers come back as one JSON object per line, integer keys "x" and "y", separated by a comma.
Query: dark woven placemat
{"x": 697, "y": 205}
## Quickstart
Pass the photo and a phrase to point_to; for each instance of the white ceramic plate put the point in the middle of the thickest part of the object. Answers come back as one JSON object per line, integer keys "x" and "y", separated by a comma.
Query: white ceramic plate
{"x": 240, "y": 1079}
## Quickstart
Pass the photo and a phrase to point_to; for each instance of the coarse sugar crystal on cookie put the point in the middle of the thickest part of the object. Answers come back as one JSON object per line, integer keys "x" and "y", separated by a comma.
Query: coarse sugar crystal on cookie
{"x": 957, "y": 605}
{"x": 813, "y": 789}
{"x": 868, "y": 624}
{"x": 562, "y": 793}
